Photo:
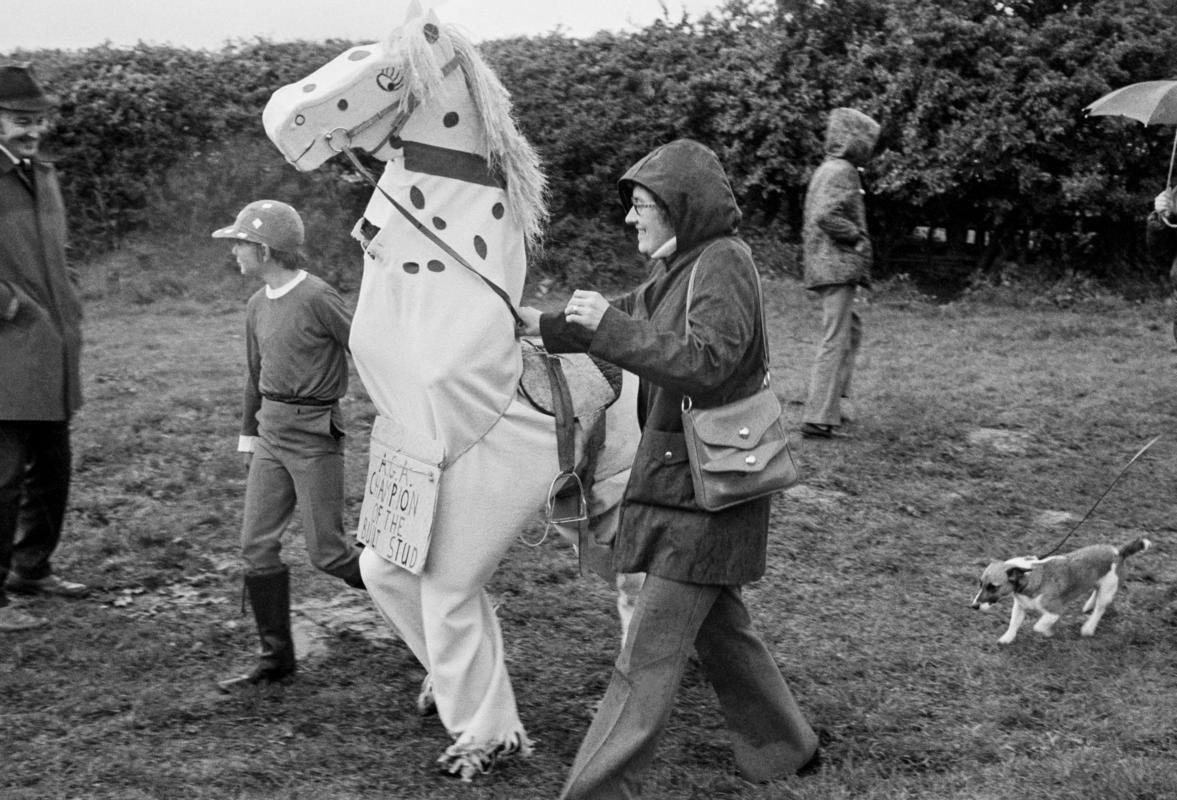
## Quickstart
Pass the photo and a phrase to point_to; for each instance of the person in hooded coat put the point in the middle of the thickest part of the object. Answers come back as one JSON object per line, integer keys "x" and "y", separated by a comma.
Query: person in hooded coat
{"x": 837, "y": 254}
{"x": 682, "y": 206}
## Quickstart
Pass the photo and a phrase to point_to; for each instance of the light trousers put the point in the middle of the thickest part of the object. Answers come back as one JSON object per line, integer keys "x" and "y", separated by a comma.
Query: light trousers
{"x": 833, "y": 366}
{"x": 770, "y": 737}
{"x": 444, "y": 614}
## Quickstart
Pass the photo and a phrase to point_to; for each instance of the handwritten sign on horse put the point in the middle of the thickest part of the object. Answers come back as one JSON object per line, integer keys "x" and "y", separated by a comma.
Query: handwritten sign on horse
{"x": 400, "y": 494}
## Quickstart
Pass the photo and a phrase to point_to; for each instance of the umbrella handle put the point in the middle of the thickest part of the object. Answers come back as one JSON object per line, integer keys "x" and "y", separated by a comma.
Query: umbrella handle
{"x": 1169, "y": 181}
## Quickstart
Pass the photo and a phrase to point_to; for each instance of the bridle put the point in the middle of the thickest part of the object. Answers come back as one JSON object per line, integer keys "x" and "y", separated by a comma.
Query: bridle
{"x": 403, "y": 110}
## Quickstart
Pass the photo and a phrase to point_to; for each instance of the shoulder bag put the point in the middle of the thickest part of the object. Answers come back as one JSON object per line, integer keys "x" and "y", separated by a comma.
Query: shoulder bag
{"x": 738, "y": 451}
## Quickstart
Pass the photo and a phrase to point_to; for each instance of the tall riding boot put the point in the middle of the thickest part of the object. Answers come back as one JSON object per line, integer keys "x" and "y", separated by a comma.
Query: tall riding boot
{"x": 269, "y": 594}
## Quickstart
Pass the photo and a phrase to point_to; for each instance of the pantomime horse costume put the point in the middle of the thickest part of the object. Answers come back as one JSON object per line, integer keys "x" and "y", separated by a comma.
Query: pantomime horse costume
{"x": 434, "y": 341}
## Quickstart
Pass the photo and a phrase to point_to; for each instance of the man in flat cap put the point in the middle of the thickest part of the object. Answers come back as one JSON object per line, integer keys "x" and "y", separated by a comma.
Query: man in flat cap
{"x": 40, "y": 341}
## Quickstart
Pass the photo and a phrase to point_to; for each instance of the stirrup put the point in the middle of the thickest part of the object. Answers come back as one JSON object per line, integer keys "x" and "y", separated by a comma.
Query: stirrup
{"x": 580, "y": 514}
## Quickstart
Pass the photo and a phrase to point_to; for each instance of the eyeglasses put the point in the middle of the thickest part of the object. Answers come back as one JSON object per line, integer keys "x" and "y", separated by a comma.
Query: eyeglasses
{"x": 640, "y": 207}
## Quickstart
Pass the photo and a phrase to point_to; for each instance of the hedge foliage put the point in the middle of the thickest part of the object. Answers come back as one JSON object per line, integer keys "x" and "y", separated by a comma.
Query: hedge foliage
{"x": 980, "y": 101}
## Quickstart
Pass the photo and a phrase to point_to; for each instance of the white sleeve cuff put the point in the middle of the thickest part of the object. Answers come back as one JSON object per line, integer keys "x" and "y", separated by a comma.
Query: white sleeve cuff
{"x": 246, "y": 444}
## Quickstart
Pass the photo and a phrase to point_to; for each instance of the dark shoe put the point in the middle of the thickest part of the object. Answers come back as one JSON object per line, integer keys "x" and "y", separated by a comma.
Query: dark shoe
{"x": 13, "y": 620}
{"x": 811, "y": 766}
{"x": 352, "y": 576}
{"x": 49, "y": 585}
{"x": 258, "y": 674}
{"x": 269, "y": 595}
{"x": 812, "y": 430}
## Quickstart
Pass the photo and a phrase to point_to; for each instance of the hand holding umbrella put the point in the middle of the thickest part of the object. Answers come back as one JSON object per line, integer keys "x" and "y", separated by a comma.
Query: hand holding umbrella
{"x": 1165, "y": 205}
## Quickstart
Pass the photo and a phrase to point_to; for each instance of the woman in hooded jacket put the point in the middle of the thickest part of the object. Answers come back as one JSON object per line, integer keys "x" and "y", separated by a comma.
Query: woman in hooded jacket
{"x": 837, "y": 252}
{"x": 681, "y": 204}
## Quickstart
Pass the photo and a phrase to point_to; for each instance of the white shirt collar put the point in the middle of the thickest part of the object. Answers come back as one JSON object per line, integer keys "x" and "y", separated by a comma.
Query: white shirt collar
{"x": 10, "y": 154}
{"x": 274, "y": 294}
{"x": 667, "y": 249}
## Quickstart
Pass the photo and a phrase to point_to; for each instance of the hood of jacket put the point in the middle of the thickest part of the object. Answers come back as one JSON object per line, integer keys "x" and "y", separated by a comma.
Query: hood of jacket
{"x": 688, "y": 178}
{"x": 851, "y": 135}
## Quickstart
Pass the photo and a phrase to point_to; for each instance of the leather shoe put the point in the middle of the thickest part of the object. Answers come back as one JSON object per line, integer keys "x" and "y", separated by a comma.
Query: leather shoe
{"x": 13, "y": 619}
{"x": 255, "y": 678}
{"x": 260, "y": 675}
{"x": 50, "y": 584}
{"x": 812, "y": 430}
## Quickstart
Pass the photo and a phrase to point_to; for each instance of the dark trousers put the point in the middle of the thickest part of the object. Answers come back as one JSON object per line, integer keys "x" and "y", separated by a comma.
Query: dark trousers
{"x": 34, "y": 489}
{"x": 770, "y": 737}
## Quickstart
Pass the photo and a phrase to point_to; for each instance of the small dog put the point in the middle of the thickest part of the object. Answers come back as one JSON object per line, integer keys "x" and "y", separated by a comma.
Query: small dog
{"x": 1048, "y": 585}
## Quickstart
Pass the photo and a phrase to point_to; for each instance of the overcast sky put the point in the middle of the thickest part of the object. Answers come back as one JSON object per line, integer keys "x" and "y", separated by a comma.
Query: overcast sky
{"x": 210, "y": 24}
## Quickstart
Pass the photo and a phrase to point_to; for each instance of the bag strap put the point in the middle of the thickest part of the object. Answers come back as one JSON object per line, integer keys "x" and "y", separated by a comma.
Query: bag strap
{"x": 759, "y": 305}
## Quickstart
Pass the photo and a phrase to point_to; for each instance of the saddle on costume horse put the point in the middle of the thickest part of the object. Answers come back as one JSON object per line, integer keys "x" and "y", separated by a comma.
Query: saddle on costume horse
{"x": 572, "y": 388}
{"x": 593, "y": 384}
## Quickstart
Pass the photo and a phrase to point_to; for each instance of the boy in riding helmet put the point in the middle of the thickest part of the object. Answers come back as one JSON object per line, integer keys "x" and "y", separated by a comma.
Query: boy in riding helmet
{"x": 296, "y": 333}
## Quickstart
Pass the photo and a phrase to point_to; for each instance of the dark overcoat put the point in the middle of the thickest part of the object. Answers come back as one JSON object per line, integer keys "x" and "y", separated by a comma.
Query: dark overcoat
{"x": 40, "y": 346}
{"x": 662, "y": 529}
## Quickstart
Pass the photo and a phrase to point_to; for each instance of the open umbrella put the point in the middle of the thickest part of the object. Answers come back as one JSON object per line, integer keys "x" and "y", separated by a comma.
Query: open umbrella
{"x": 1150, "y": 102}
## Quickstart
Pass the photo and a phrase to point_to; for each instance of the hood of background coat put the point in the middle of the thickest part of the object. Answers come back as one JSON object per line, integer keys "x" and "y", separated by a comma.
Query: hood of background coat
{"x": 688, "y": 178}
{"x": 851, "y": 135}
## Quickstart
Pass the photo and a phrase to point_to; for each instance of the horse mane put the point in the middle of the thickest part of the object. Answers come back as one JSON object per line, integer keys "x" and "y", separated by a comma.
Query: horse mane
{"x": 506, "y": 150}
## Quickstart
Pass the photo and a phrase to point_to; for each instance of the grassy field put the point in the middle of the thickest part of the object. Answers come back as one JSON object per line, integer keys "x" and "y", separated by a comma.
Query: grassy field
{"x": 983, "y": 429}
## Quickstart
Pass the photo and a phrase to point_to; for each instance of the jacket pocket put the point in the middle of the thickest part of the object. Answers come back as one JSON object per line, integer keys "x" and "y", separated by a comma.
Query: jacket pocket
{"x": 661, "y": 475}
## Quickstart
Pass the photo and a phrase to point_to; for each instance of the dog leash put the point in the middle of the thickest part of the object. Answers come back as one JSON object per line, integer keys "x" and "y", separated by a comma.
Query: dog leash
{"x": 1132, "y": 460}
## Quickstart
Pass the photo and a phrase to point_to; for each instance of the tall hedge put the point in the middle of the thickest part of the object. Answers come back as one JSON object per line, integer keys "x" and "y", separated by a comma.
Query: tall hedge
{"x": 980, "y": 101}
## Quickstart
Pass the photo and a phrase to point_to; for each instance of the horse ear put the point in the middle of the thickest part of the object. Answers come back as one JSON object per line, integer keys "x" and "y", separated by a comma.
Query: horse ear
{"x": 431, "y": 27}
{"x": 416, "y": 12}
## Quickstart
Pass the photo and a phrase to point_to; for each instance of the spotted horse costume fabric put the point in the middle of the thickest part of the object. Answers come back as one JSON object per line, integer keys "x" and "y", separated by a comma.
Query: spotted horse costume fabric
{"x": 437, "y": 350}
